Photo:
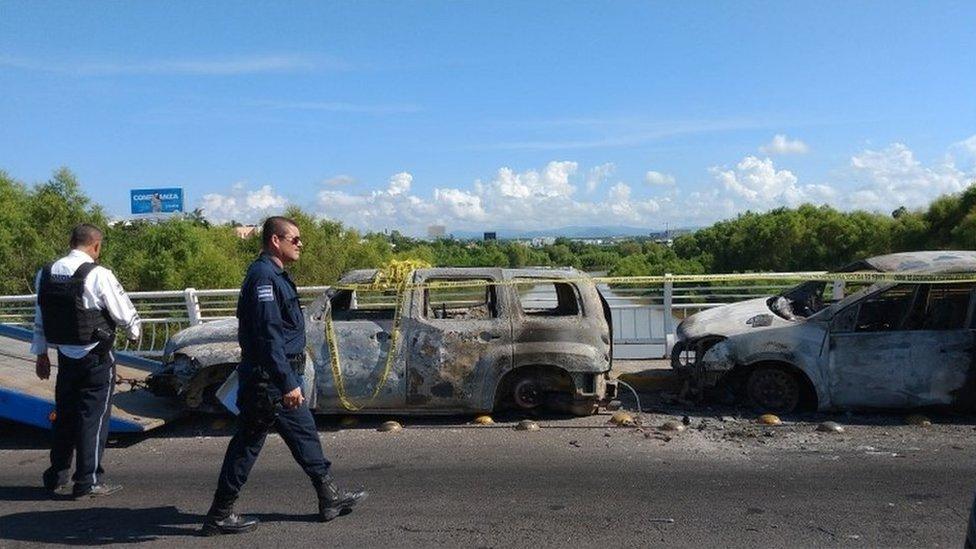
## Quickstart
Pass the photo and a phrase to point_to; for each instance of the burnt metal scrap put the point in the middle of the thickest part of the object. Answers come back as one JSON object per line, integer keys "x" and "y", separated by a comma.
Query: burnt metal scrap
{"x": 884, "y": 345}
{"x": 467, "y": 340}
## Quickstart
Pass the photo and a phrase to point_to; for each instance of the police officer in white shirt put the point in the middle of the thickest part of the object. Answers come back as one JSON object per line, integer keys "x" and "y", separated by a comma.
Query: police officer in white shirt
{"x": 79, "y": 306}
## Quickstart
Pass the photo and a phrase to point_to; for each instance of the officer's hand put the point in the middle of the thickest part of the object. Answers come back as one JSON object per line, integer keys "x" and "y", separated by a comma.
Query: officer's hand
{"x": 293, "y": 399}
{"x": 43, "y": 366}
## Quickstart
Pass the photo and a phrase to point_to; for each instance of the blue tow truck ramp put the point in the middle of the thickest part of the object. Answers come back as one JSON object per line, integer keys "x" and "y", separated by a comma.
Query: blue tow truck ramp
{"x": 26, "y": 399}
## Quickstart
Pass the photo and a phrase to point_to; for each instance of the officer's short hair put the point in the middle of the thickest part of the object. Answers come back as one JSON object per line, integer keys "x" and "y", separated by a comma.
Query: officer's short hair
{"x": 85, "y": 234}
{"x": 275, "y": 225}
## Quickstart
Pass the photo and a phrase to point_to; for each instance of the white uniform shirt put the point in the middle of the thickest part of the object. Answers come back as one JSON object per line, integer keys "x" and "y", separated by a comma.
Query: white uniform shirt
{"x": 102, "y": 291}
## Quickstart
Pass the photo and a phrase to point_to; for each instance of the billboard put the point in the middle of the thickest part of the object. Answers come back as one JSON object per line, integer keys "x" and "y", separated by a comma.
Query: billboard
{"x": 153, "y": 201}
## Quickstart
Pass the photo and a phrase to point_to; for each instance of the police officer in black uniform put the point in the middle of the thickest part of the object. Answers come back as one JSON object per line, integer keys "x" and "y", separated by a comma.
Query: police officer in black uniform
{"x": 79, "y": 305}
{"x": 271, "y": 333}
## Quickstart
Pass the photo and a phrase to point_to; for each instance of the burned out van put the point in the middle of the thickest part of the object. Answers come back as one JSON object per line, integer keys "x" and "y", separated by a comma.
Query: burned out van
{"x": 465, "y": 340}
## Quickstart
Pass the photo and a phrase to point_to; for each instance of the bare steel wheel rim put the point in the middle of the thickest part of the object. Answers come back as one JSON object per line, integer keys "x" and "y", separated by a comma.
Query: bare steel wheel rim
{"x": 774, "y": 389}
{"x": 527, "y": 393}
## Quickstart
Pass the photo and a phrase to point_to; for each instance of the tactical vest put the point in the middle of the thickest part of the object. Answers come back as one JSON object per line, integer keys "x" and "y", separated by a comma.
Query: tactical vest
{"x": 65, "y": 318}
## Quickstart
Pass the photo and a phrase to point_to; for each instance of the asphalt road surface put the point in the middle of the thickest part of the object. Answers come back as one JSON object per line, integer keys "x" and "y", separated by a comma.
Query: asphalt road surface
{"x": 574, "y": 483}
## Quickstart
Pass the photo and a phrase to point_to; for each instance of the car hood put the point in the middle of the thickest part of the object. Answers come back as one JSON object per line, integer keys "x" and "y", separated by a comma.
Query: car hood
{"x": 217, "y": 331}
{"x": 729, "y": 320}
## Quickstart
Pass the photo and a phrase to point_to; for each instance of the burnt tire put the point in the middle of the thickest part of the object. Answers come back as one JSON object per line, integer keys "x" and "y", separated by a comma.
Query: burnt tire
{"x": 773, "y": 389}
{"x": 528, "y": 393}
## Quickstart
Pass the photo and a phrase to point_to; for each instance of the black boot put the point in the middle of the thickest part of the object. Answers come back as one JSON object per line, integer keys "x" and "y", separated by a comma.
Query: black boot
{"x": 221, "y": 518}
{"x": 333, "y": 501}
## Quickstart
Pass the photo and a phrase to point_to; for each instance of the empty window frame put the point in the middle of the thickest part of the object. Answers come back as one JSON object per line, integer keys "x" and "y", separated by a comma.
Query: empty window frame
{"x": 549, "y": 299}
{"x": 941, "y": 307}
{"x": 460, "y": 303}
{"x": 363, "y": 305}
{"x": 886, "y": 311}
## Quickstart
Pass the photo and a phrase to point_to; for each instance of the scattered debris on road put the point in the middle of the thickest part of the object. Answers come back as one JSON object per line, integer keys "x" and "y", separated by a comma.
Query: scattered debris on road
{"x": 830, "y": 427}
{"x": 918, "y": 420}
{"x": 623, "y": 419}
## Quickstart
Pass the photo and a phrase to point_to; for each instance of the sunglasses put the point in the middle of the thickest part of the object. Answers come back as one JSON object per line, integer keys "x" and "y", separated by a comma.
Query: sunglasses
{"x": 296, "y": 240}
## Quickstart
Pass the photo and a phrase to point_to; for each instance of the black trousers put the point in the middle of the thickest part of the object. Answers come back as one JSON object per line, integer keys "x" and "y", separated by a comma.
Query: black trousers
{"x": 297, "y": 429}
{"x": 82, "y": 403}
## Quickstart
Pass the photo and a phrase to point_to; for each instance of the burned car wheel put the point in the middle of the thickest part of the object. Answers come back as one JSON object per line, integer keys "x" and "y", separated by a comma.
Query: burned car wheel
{"x": 773, "y": 389}
{"x": 528, "y": 393}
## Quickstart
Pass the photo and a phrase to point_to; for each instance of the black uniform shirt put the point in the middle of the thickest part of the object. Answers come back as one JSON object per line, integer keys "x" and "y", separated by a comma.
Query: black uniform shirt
{"x": 270, "y": 324}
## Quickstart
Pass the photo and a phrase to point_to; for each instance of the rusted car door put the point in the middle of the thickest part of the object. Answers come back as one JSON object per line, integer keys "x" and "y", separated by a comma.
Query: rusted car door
{"x": 453, "y": 338}
{"x": 942, "y": 353}
{"x": 907, "y": 346}
{"x": 869, "y": 351}
{"x": 362, "y": 325}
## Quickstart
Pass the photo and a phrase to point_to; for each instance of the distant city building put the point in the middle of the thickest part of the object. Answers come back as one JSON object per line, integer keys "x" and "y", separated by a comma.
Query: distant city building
{"x": 541, "y": 241}
{"x": 491, "y": 236}
{"x": 245, "y": 231}
{"x": 436, "y": 231}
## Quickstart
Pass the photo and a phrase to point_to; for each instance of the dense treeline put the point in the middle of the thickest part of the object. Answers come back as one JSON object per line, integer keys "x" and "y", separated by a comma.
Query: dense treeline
{"x": 191, "y": 252}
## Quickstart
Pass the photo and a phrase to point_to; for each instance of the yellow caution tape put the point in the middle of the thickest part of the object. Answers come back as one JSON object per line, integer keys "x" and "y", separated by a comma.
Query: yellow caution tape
{"x": 330, "y": 337}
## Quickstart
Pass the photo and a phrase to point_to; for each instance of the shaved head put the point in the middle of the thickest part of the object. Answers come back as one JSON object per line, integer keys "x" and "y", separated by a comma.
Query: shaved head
{"x": 85, "y": 235}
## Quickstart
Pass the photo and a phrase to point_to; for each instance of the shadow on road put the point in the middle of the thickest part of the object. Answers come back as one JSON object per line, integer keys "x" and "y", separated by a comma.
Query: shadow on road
{"x": 99, "y": 525}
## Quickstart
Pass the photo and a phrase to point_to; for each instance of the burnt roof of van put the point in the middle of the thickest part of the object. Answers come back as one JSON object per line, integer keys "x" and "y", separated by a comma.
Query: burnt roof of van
{"x": 928, "y": 262}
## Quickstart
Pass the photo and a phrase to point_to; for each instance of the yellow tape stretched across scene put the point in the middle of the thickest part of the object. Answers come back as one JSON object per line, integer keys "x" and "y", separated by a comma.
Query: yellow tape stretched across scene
{"x": 399, "y": 284}
{"x": 861, "y": 276}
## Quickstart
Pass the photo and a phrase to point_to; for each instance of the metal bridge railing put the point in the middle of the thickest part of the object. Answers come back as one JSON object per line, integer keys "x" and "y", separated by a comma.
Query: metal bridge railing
{"x": 644, "y": 318}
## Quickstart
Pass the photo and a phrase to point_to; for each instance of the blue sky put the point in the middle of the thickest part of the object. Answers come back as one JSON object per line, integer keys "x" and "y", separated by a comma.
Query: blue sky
{"x": 494, "y": 115}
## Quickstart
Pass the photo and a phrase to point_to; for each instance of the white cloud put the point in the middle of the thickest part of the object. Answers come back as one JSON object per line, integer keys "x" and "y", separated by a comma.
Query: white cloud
{"x": 658, "y": 178}
{"x": 545, "y": 198}
{"x": 213, "y": 66}
{"x": 598, "y": 174}
{"x": 340, "y": 179}
{"x": 400, "y": 183}
{"x": 893, "y": 177}
{"x": 241, "y": 204}
{"x": 967, "y": 146}
{"x": 531, "y": 199}
{"x": 758, "y": 183}
{"x": 339, "y": 107}
{"x": 784, "y": 145}
{"x": 460, "y": 204}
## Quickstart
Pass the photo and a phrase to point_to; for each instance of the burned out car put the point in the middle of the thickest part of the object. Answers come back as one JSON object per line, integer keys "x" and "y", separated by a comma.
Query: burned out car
{"x": 467, "y": 340}
{"x": 823, "y": 346}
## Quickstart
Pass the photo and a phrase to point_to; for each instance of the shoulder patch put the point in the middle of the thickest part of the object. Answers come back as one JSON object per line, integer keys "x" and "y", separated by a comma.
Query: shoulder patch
{"x": 265, "y": 293}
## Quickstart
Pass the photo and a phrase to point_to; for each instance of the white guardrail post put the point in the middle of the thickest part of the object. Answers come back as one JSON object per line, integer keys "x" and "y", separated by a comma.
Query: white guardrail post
{"x": 192, "y": 306}
{"x": 668, "y": 313}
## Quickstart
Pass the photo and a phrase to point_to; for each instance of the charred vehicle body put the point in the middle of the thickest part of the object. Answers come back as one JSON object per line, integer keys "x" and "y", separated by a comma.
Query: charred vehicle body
{"x": 883, "y": 345}
{"x": 468, "y": 340}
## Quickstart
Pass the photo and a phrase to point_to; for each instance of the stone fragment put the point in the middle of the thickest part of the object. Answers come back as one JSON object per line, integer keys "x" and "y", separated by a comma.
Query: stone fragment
{"x": 389, "y": 427}
{"x": 769, "y": 419}
{"x": 918, "y": 420}
{"x": 830, "y": 427}
{"x": 527, "y": 425}
{"x": 623, "y": 419}
{"x": 484, "y": 420}
{"x": 672, "y": 425}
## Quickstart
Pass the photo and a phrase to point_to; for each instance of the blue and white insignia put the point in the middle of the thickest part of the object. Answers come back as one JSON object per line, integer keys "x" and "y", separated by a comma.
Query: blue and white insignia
{"x": 265, "y": 293}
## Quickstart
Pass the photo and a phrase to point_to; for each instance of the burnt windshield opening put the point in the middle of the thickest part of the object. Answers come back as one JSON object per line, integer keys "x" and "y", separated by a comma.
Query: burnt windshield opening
{"x": 801, "y": 301}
